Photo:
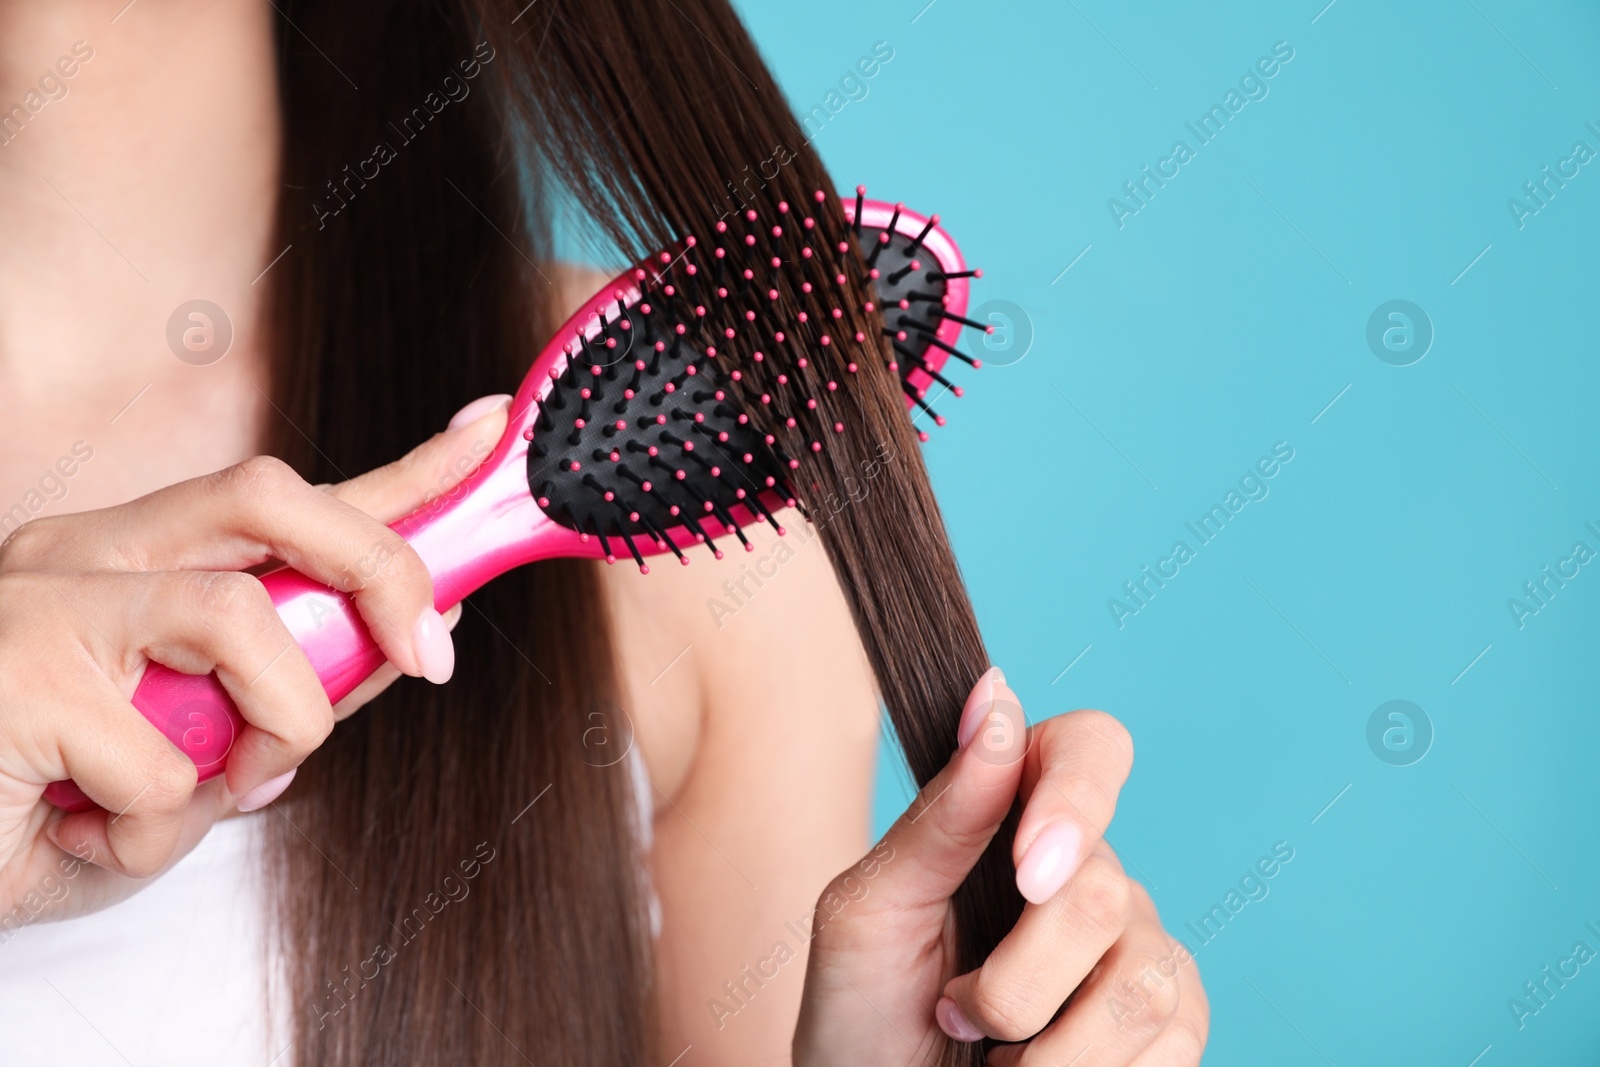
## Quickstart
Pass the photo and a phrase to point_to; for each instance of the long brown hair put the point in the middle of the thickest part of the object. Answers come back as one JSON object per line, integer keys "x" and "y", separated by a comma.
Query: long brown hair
{"x": 416, "y": 211}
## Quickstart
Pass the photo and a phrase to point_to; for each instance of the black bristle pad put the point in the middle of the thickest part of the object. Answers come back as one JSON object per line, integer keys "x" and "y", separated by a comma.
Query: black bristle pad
{"x": 674, "y": 405}
{"x": 924, "y": 289}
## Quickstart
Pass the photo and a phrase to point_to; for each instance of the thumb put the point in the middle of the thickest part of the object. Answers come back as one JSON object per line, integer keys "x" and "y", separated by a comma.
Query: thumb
{"x": 939, "y": 838}
{"x": 434, "y": 467}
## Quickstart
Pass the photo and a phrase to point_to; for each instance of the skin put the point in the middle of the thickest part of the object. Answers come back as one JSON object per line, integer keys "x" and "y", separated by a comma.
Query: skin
{"x": 109, "y": 225}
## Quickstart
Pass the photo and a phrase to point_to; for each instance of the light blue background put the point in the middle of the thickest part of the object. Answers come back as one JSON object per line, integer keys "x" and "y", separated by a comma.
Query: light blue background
{"x": 1225, "y": 317}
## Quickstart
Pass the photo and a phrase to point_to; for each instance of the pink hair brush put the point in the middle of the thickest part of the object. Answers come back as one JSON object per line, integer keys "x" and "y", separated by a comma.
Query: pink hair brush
{"x": 623, "y": 439}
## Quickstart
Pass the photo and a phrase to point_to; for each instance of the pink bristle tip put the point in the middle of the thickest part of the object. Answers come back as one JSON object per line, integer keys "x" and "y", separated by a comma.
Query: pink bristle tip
{"x": 988, "y": 329}
{"x": 923, "y": 436}
{"x": 543, "y": 502}
{"x": 958, "y": 391}
{"x": 832, "y": 386}
{"x": 527, "y": 435}
{"x": 750, "y": 216}
{"x": 938, "y": 420}
{"x": 838, "y": 427}
{"x": 819, "y": 196}
{"x": 816, "y": 446}
{"x": 852, "y": 368}
{"x": 610, "y": 558}
{"x": 749, "y": 548}
{"x": 977, "y": 364}
{"x": 783, "y": 207}
{"x": 861, "y": 190}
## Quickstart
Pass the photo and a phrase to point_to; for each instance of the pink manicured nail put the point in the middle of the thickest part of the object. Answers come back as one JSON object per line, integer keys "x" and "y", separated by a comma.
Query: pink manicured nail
{"x": 436, "y": 653}
{"x": 978, "y": 702}
{"x": 267, "y": 791}
{"x": 1049, "y": 862}
{"x": 953, "y": 1023}
{"x": 478, "y": 409}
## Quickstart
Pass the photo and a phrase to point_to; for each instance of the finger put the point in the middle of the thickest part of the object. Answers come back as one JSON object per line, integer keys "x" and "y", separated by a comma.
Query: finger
{"x": 1075, "y": 768}
{"x": 1182, "y": 1042}
{"x": 381, "y": 679}
{"x": 1137, "y": 992}
{"x": 140, "y": 781}
{"x": 1047, "y": 955}
{"x": 199, "y": 622}
{"x": 261, "y": 510}
{"x": 434, "y": 467}
{"x": 938, "y": 839}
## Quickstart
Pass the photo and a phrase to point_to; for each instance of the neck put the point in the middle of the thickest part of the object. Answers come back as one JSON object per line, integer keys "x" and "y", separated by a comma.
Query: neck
{"x": 138, "y": 171}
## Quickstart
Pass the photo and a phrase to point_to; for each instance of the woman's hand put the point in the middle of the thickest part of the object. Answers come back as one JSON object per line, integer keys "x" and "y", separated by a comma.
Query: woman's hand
{"x": 87, "y": 600}
{"x": 880, "y": 985}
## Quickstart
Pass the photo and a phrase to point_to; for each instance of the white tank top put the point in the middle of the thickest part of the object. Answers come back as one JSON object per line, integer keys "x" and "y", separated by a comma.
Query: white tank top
{"x": 175, "y": 976}
{"x": 172, "y": 976}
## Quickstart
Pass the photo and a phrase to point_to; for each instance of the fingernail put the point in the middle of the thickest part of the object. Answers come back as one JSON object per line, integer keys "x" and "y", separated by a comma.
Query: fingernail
{"x": 1049, "y": 862}
{"x": 953, "y": 1023}
{"x": 978, "y": 702}
{"x": 478, "y": 409}
{"x": 267, "y": 791}
{"x": 436, "y": 653}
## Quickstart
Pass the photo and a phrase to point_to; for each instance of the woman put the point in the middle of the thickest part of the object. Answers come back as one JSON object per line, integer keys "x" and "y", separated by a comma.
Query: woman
{"x": 620, "y": 827}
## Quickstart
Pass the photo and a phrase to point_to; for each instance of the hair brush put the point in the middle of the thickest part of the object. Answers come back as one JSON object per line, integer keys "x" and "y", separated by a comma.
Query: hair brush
{"x": 626, "y": 437}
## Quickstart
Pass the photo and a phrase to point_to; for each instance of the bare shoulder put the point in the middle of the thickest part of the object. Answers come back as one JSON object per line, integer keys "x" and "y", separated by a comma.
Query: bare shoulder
{"x": 720, "y": 654}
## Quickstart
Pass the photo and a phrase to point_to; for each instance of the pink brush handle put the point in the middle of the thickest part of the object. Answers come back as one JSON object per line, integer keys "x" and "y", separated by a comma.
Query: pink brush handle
{"x": 485, "y": 527}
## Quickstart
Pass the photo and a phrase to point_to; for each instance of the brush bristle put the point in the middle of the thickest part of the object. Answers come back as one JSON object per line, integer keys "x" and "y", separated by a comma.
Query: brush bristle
{"x": 645, "y": 429}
